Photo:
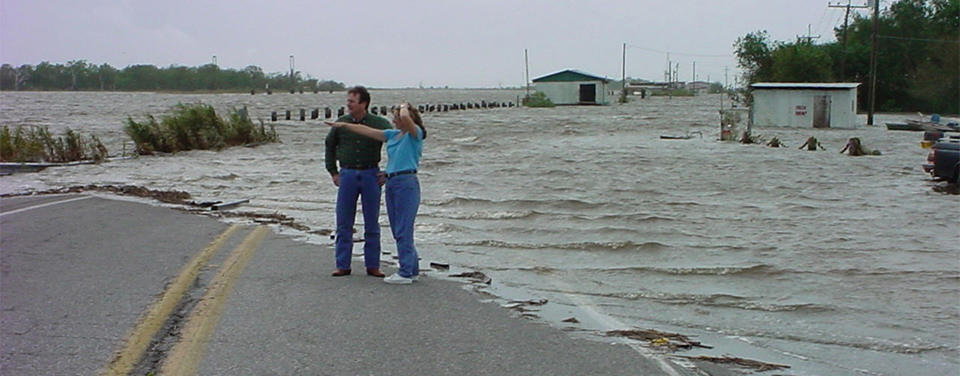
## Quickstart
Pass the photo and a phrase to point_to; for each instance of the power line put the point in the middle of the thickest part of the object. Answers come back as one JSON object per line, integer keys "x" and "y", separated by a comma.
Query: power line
{"x": 675, "y": 53}
{"x": 846, "y": 18}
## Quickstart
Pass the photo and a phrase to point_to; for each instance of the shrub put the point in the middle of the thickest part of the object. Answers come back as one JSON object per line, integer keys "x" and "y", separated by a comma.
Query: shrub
{"x": 37, "y": 144}
{"x": 196, "y": 126}
{"x": 538, "y": 99}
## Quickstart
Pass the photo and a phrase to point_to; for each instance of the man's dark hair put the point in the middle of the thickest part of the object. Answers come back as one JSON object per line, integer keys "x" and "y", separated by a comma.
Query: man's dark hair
{"x": 363, "y": 93}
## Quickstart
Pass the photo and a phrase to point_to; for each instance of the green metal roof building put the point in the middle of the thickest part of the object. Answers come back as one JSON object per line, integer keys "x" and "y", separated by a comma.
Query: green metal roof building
{"x": 573, "y": 87}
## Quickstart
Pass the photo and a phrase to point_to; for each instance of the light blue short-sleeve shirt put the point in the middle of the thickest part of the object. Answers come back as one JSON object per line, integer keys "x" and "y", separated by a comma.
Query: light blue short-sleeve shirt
{"x": 403, "y": 150}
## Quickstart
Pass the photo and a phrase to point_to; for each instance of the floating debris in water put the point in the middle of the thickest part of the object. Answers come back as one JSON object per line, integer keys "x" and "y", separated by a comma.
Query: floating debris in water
{"x": 475, "y": 276}
{"x": 657, "y": 338}
{"x": 748, "y": 363}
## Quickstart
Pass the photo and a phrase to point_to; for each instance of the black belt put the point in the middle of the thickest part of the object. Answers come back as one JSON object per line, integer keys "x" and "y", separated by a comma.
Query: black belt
{"x": 367, "y": 167}
{"x": 398, "y": 173}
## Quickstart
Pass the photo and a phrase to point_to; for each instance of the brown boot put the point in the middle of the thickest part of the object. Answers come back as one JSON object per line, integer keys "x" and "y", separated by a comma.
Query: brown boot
{"x": 375, "y": 272}
{"x": 340, "y": 272}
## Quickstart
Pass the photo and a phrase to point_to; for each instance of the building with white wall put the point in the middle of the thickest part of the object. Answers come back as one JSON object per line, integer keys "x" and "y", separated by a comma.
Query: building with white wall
{"x": 571, "y": 87}
{"x": 804, "y": 105}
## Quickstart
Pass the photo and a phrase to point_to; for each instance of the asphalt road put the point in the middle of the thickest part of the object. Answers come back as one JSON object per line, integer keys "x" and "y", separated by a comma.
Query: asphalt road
{"x": 90, "y": 286}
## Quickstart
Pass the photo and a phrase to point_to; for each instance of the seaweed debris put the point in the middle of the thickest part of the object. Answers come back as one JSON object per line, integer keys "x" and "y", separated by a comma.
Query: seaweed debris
{"x": 475, "y": 277}
{"x": 657, "y": 338}
{"x": 747, "y": 363}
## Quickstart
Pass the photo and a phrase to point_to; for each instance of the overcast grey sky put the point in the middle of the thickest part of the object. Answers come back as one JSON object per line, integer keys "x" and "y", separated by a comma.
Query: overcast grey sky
{"x": 409, "y": 42}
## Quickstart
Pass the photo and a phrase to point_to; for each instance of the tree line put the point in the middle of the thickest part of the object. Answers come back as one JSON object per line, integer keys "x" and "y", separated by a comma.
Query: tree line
{"x": 81, "y": 75}
{"x": 917, "y": 59}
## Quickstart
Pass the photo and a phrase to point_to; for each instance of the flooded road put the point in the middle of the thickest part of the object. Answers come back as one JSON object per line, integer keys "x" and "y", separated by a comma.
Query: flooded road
{"x": 835, "y": 265}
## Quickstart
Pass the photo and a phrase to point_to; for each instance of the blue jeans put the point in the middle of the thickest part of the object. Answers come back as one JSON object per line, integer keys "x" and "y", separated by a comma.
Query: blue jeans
{"x": 403, "y": 201}
{"x": 362, "y": 183}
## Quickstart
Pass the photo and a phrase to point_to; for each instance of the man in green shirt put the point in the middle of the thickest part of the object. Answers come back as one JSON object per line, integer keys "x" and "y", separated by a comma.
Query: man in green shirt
{"x": 358, "y": 177}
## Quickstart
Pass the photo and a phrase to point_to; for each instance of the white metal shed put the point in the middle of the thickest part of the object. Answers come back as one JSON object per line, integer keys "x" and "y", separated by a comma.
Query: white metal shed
{"x": 573, "y": 87}
{"x": 805, "y": 105}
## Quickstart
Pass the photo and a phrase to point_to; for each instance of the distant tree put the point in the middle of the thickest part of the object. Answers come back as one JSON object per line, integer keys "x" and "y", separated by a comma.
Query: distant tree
{"x": 8, "y": 77}
{"x": 50, "y": 76}
{"x": 754, "y": 56}
{"x": 330, "y": 85}
{"x": 81, "y": 75}
{"x": 106, "y": 77}
{"x": 801, "y": 61}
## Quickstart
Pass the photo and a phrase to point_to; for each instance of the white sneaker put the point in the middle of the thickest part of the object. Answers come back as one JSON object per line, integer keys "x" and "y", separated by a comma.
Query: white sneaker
{"x": 396, "y": 279}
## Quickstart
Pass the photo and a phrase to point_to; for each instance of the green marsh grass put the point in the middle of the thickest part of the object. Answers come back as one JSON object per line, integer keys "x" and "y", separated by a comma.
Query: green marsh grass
{"x": 196, "y": 126}
{"x": 37, "y": 144}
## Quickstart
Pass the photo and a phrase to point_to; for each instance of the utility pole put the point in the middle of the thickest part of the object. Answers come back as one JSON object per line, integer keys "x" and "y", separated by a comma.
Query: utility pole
{"x": 873, "y": 60}
{"x": 292, "y": 82}
{"x": 623, "y": 92}
{"x": 726, "y": 86}
{"x": 843, "y": 36}
{"x": 526, "y": 64}
{"x": 667, "y": 74}
{"x": 809, "y": 37}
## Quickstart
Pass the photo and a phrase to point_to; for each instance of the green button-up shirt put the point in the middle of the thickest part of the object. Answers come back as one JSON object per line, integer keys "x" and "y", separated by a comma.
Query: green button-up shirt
{"x": 352, "y": 149}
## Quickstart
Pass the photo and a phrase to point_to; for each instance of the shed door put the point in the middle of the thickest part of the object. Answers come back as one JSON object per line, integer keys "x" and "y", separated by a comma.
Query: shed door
{"x": 588, "y": 93}
{"x": 821, "y": 111}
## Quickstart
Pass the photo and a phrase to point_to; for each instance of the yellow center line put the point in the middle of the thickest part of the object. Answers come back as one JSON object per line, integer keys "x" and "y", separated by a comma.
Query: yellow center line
{"x": 184, "y": 359}
{"x": 149, "y": 324}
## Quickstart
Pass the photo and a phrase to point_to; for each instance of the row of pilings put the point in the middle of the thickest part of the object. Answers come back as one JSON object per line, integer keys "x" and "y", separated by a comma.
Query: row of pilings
{"x": 327, "y": 112}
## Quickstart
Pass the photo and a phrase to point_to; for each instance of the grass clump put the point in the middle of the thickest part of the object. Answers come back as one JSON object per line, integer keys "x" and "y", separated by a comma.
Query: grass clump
{"x": 538, "y": 99}
{"x": 37, "y": 144}
{"x": 196, "y": 126}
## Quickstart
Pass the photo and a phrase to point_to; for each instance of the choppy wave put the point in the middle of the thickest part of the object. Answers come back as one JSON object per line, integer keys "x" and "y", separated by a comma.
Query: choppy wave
{"x": 760, "y": 270}
{"x": 586, "y": 246}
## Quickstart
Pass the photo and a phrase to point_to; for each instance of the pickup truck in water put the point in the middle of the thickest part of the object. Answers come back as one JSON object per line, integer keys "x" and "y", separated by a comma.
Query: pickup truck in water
{"x": 944, "y": 159}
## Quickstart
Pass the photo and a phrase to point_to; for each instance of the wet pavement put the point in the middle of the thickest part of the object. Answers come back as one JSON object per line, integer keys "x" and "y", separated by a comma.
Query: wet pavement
{"x": 85, "y": 281}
